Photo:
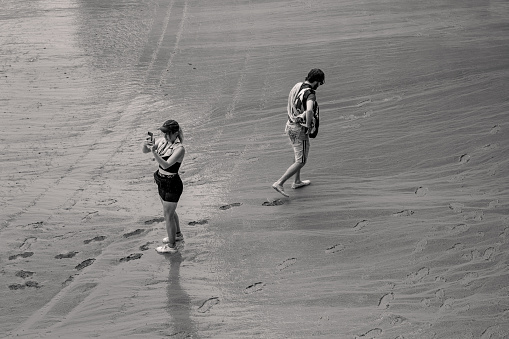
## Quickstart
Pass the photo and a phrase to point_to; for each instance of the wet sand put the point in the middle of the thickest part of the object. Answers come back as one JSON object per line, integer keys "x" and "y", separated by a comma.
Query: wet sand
{"x": 403, "y": 232}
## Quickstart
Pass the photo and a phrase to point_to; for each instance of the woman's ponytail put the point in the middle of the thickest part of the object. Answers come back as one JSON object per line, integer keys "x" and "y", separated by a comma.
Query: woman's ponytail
{"x": 181, "y": 135}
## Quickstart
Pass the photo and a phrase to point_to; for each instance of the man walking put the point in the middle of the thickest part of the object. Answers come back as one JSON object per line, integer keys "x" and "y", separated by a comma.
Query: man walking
{"x": 299, "y": 124}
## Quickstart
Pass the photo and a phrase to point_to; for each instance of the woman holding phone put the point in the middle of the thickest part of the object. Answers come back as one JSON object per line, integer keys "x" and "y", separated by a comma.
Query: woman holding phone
{"x": 169, "y": 153}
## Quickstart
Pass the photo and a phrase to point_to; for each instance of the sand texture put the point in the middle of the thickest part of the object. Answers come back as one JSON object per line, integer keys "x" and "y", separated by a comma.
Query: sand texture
{"x": 403, "y": 232}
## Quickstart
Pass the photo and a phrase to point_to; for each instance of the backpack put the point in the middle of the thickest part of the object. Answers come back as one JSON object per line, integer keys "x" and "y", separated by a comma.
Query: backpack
{"x": 298, "y": 105}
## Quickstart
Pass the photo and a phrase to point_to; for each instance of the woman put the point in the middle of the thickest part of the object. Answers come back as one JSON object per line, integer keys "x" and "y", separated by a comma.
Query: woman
{"x": 169, "y": 153}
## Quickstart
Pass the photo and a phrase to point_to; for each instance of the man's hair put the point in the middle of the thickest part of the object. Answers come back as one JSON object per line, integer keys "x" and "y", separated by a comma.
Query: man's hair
{"x": 315, "y": 74}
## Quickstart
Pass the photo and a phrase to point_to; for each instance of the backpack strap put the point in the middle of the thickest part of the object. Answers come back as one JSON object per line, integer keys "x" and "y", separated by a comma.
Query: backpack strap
{"x": 303, "y": 96}
{"x": 300, "y": 91}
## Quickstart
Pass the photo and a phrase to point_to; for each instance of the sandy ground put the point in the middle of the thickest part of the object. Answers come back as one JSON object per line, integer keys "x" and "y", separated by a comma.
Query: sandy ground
{"x": 403, "y": 233}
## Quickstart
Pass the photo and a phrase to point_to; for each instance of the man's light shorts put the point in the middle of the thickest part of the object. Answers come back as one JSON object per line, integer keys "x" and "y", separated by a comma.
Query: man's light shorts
{"x": 301, "y": 149}
{"x": 299, "y": 140}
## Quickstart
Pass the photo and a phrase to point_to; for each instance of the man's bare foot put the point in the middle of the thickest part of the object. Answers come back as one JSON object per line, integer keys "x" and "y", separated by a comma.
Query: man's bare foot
{"x": 279, "y": 188}
{"x": 300, "y": 184}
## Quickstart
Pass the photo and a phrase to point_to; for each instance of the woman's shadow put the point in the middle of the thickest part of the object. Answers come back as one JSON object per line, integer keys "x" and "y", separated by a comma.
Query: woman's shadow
{"x": 179, "y": 302}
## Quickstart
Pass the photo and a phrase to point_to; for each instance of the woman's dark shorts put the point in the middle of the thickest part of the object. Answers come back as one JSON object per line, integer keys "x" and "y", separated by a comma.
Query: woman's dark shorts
{"x": 170, "y": 188}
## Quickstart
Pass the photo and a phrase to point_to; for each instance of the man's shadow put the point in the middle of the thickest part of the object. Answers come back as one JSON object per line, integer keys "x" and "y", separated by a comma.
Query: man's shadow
{"x": 179, "y": 302}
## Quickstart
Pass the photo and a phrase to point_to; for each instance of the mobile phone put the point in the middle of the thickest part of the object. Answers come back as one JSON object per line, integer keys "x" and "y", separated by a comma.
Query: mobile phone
{"x": 151, "y": 135}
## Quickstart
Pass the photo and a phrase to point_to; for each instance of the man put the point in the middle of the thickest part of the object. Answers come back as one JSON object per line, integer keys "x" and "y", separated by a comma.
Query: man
{"x": 298, "y": 125}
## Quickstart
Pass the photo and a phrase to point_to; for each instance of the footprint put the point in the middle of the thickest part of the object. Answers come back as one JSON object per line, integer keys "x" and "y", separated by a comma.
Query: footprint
{"x": 208, "y": 304}
{"x": 133, "y": 233}
{"x": 66, "y": 255}
{"x": 456, "y": 207}
{"x": 456, "y": 247}
{"x": 68, "y": 280}
{"x": 494, "y": 332}
{"x": 107, "y": 202}
{"x": 417, "y": 276}
{"x": 254, "y": 288}
{"x": 275, "y": 202}
{"x": 27, "y": 243}
{"x": 287, "y": 263}
{"x": 371, "y": 334}
{"x": 404, "y": 213}
{"x": 440, "y": 294}
{"x": 33, "y": 284}
{"x": 130, "y": 257}
{"x": 472, "y": 255}
{"x": 226, "y": 207}
{"x": 360, "y": 225}
{"x": 426, "y": 302}
{"x": 90, "y": 215}
{"x": 421, "y": 245}
{"x": 447, "y": 304}
{"x": 84, "y": 264}
{"x": 421, "y": 191}
{"x": 335, "y": 248}
{"x": 460, "y": 228}
{"x": 17, "y": 286}
{"x": 152, "y": 221}
{"x": 464, "y": 159}
{"x": 146, "y": 246}
{"x": 488, "y": 253}
{"x": 253, "y": 159}
{"x": 493, "y": 204}
{"x": 24, "y": 274}
{"x": 495, "y": 129}
{"x": 385, "y": 300}
{"x": 199, "y": 222}
{"x": 476, "y": 215}
{"x": 98, "y": 238}
{"x": 489, "y": 147}
{"x": 396, "y": 319}
{"x": 505, "y": 234}
{"x": 36, "y": 224}
{"x": 22, "y": 255}
{"x": 468, "y": 278}
{"x": 364, "y": 102}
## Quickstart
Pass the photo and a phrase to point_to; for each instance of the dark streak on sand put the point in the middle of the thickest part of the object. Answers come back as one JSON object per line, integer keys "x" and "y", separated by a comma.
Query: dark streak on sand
{"x": 33, "y": 284}
{"x": 24, "y": 274}
{"x": 208, "y": 304}
{"x": 130, "y": 257}
{"x": 254, "y": 287}
{"x": 464, "y": 159}
{"x": 421, "y": 191}
{"x": 66, "y": 255}
{"x": 371, "y": 334}
{"x": 287, "y": 263}
{"x": 199, "y": 222}
{"x": 152, "y": 221}
{"x": 404, "y": 213}
{"x": 133, "y": 233}
{"x": 68, "y": 280}
{"x": 27, "y": 243}
{"x": 275, "y": 202}
{"x": 385, "y": 300}
{"x": 335, "y": 248}
{"x": 228, "y": 206}
{"x": 22, "y": 255}
{"x": 146, "y": 246}
{"x": 84, "y": 264}
{"x": 98, "y": 238}
{"x": 361, "y": 224}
